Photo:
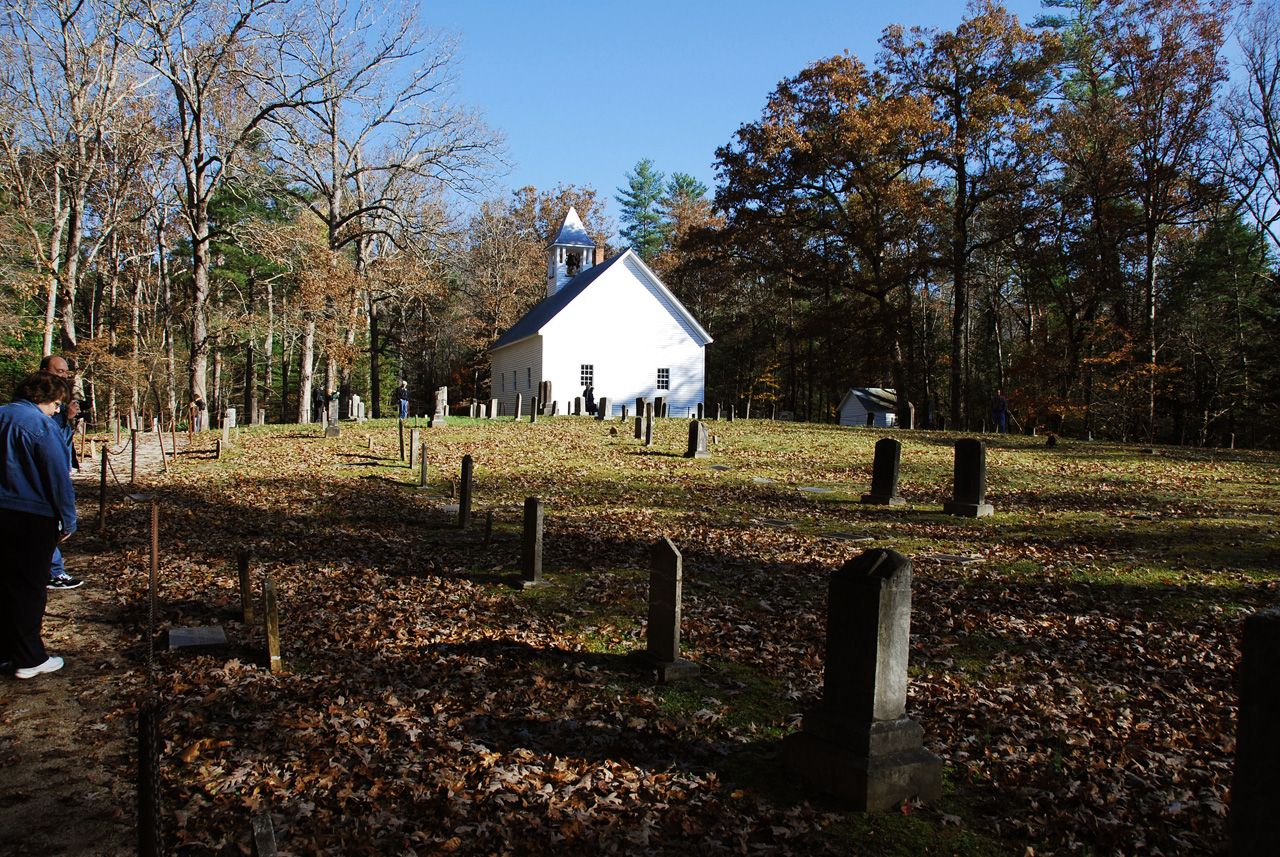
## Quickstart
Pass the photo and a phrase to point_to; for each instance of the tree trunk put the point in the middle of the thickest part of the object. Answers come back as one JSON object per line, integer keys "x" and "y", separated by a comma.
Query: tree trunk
{"x": 307, "y": 367}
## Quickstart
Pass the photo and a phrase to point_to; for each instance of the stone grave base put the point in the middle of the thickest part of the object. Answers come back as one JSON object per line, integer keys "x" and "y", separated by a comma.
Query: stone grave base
{"x": 667, "y": 671}
{"x": 968, "y": 510}
{"x": 333, "y": 431}
{"x": 882, "y": 500}
{"x": 874, "y": 772}
{"x": 522, "y": 584}
{"x": 197, "y": 638}
{"x": 698, "y": 453}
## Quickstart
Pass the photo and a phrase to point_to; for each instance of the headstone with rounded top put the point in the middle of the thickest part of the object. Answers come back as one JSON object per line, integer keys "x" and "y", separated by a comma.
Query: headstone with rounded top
{"x": 884, "y": 474}
{"x": 969, "y": 498}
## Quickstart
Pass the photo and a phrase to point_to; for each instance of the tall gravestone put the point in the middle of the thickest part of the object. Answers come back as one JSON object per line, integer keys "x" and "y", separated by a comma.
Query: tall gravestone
{"x": 732, "y": 409}
{"x": 659, "y": 407}
{"x": 969, "y": 497}
{"x": 577, "y": 406}
{"x": 648, "y": 423}
{"x": 697, "y": 441}
{"x": 719, "y": 411}
{"x": 700, "y": 412}
{"x": 440, "y": 416}
{"x": 519, "y": 405}
{"x": 604, "y": 408}
{"x": 531, "y": 545}
{"x": 422, "y": 465}
{"x": 884, "y": 474}
{"x": 858, "y": 743}
{"x": 639, "y": 405}
{"x": 1255, "y": 789}
{"x": 413, "y": 448}
{"x": 626, "y": 412}
{"x": 662, "y": 636}
{"x": 533, "y": 410}
{"x": 639, "y": 428}
{"x": 493, "y": 408}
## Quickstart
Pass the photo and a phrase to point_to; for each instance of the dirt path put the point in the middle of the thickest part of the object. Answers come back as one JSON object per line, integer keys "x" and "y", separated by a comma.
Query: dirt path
{"x": 67, "y": 748}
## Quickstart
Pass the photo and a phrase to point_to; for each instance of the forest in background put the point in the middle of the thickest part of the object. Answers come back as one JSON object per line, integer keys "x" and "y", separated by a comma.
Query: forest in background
{"x": 248, "y": 200}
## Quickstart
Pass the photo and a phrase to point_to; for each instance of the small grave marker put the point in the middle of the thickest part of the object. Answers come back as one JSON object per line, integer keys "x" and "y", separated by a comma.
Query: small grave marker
{"x": 604, "y": 408}
{"x": 422, "y": 466}
{"x": 531, "y": 545}
{"x": 208, "y": 637}
{"x": 849, "y": 537}
{"x": 271, "y": 608}
{"x": 493, "y": 409}
{"x": 969, "y": 499}
{"x": 246, "y": 586}
{"x": 697, "y": 441}
{"x": 413, "y": 447}
{"x": 884, "y": 474}
{"x": 662, "y": 652}
{"x": 858, "y": 743}
{"x": 464, "y": 499}
{"x": 533, "y": 410}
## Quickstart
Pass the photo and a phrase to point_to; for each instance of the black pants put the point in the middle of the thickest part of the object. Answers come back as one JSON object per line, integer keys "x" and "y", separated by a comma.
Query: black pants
{"x": 26, "y": 548}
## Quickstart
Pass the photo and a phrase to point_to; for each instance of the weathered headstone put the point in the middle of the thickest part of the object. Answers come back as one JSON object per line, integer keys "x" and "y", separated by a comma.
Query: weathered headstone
{"x": 333, "y": 430}
{"x": 519, "y": 405}
{"x": 719, "y": 411}
{"x": 440, "y": 417}
{"x": 701, "y": 411}
{"x": 422, "y": 466}
{"x": 577, "y": 406}
{"x": 639, "y": 428}
{"x": 969, "y": 497}
{"x": 401, "y": 440}
{"x": 493, "y": 409}
{"x": 732, "y": 408}
{"x": 662, "y": 637}
{"x": 659, "y": 407}
{"x": 648, "y": 423}
{"x": 414, "y": 439}
{"x": 884, "y": 474}
{"x": 697, "y": 441}
{"x": 858, "y": 743}
{"x": 272, "y": 610}
{"x": 464, "y": 496}
{"x": 1255, "y": 789}
{"x": 531, "y": 545}
{"x": 533, "y": 410}
{"x": 626, "y": 413}
{"x": 483, "y": 411}
{"x": 639, "y": 405}
{"x": 604, "y": 408}
{"x": 333, "y": 411}
{"x": 471, "y": 411}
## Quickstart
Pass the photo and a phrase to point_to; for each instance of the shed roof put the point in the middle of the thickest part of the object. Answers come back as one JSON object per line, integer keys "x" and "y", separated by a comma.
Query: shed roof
{"x": 876, "y": 400}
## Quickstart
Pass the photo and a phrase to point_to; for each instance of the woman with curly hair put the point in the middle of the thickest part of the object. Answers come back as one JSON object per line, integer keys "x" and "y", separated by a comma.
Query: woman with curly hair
{"x": 37, "y": 510}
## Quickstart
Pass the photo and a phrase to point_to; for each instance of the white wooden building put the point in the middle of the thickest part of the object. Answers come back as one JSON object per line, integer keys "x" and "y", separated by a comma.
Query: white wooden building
{"x": 612, "y": 325}
{"x": 869, "y": 406}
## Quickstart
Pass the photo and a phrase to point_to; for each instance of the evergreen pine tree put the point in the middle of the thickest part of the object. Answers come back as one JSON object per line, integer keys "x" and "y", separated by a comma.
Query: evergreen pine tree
{"x": 641, "y": 216}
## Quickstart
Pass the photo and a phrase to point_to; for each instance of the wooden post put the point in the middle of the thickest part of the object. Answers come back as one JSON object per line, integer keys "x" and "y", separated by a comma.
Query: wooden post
{"x": 164, "y": 459}
{"x": 413, "y": 448}
{"x": 133, "y": 460}
{"x": 246, "y": 587}
{"x": 271, "y": 608}
{"x": 402, "y": 440}
{"x": 464, "y": 501}
{"x": 217, "y": 447}
{"x": 102, "y": 496}
{"x": 422, "y": 476}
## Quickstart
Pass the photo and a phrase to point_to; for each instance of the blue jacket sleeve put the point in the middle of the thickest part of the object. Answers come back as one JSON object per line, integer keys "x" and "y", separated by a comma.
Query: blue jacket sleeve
{"x": 51, "y": 461}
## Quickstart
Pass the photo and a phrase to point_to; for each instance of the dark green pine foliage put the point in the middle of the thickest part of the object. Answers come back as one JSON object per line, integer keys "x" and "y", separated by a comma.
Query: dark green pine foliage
{"x": 642, "y": 212}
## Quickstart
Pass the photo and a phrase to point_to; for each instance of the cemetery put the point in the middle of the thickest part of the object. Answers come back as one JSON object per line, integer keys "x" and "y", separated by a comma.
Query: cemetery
{"x": 553, "y": 637}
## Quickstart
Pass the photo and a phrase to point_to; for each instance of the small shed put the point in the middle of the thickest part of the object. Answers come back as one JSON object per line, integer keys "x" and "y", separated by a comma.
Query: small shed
{"x": 869, "y": 406}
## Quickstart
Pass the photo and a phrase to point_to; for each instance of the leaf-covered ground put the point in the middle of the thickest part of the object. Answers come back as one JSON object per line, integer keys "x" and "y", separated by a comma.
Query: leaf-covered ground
{"x": 1077, "y": 682}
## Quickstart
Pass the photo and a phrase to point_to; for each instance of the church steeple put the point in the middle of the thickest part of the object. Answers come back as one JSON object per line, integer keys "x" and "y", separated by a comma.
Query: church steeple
{"x": 570, "y": 253}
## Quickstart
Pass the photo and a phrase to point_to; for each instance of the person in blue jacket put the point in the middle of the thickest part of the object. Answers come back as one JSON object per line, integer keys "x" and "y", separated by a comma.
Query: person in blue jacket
{"x": 37, "y": 511}
{"x": 65, "y": 420}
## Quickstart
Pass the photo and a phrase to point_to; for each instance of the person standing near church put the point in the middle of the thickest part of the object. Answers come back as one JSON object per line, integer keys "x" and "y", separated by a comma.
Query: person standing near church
{"x": 37, "y": 511}
{"x": 65, "y": 419}
{"x": 999, "y": 412}
{"x": 402, "y": 400}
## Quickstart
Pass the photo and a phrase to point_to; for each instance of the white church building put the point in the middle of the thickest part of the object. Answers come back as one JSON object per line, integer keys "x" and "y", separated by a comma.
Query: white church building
{"x": 612, "y": 325}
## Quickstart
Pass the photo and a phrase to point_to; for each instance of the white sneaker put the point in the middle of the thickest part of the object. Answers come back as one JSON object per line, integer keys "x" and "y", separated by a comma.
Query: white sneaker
{"x": 50, "y": 666}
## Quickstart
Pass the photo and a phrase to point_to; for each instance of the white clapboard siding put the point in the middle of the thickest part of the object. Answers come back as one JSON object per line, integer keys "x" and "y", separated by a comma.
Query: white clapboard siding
{"x": 520, "y": 364}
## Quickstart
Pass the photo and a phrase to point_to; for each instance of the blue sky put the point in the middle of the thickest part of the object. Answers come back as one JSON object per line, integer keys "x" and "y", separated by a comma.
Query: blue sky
{"x": 584, "y": 90}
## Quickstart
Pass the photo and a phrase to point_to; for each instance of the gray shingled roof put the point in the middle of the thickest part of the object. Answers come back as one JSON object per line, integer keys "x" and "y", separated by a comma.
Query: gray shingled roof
{"x": 548, "y": 308}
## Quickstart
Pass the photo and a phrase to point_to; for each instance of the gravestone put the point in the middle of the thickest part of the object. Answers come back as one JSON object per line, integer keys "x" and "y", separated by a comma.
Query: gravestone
{"x": 228, "y": 423}
{"x": 471, "y": 411}
{"x": 858, "y": 743}
{"x": 519, "y": 405}
{"x": 401, "y": 426}
{"x": 544, "y": 396}
{"x": 531, "y": 545}
{"x": 639, "y": 428}
{"x": 659, "y": 407}
{"x": 493, "y": 409}
{"x": 533, "y": 410}
{"x": 271, "y": 609}
{"x": 440, "y": 416}
{"x": 577, "y": 406}
{"x": 464, "y": 495}
{"x": 626, "y": 413}
{"x": 884, "y": 474}
{"x": 413, "y": 447}
{"x": 639, "y": 405}
{"x": 697, "y": 441}
{"x": 700, "y": 411}
{"x": 969, "y": 497}
{"x": 555, "y": 409}
{"x": 648, "y": 423}
{"x": 731, "y": 412}
{"x": 662, "y": 637}
{"x": 333, "y": 411}
{"x": 604, "y": 408}
{"x": 422, "y": 465}
{"x": 1255, "y": 790}
{"x": 481, "y": 411}
{"x": 719, "y": 412}
{"x": 332, "y": 429}
{"x": 353, "y": 409}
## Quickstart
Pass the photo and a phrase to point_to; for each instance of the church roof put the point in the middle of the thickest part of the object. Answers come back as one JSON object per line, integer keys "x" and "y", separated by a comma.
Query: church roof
{"x": 548, "y": 308}
{"x": 572, "y": 233}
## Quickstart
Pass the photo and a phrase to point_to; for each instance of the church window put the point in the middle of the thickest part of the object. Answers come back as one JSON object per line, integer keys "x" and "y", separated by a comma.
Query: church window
{"x": 588, "y": 374}
{"x": 664, "y": 379}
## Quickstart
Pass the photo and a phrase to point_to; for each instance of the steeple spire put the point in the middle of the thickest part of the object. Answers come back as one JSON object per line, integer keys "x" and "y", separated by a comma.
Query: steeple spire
{"x": 570, "y": 253}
